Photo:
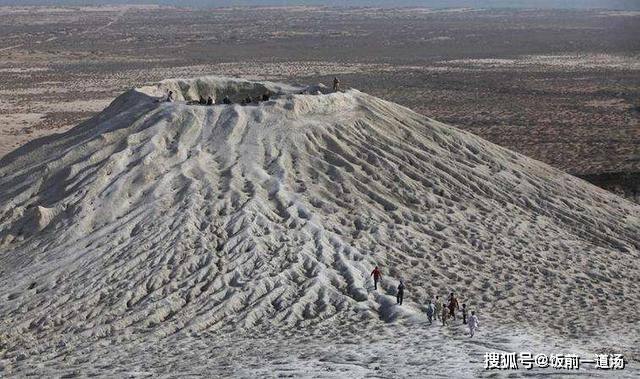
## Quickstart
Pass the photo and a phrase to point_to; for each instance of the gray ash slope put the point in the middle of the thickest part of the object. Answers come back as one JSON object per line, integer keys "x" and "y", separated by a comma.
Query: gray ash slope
{"x": 162, "y": 218}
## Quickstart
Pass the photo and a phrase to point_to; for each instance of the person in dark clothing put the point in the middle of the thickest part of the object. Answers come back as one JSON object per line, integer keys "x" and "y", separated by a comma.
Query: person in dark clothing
{"x": 226, "y": 100}
{"x": 464, "y": 313}
{"x": 266, "y": 96}
{"x": 209, "y": 100}
{"x": 336, "y": 85}
{"x": 400, "y": 294}
{"x": 453, "y": 306}
{"x": 376, "y": 277}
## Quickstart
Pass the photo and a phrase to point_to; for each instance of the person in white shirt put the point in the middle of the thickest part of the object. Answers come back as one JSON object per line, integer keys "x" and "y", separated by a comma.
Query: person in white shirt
{"x": 438, "y": 305}
{"x": 473, "y": 323}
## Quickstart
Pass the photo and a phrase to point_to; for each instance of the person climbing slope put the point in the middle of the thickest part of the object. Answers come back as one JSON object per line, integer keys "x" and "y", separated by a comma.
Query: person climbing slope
{"x": 376, "y": 277}
{"x": 453, "y": 306}
{"x": 444, "y": 314}
{"x": 438, "y": 305}
{"x": 400, "y": 294}
{"x": 430, "y": 310}
{"x": 473, "y": 323}
{"x": 464, "y": 314}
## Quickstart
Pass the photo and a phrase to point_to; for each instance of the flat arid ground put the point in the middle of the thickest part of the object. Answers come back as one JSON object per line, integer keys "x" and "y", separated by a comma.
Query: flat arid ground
{"x": 560, "y": 86}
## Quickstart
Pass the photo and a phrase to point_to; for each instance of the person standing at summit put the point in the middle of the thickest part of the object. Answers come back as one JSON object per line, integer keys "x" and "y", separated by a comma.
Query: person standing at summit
{"x": 376, "y": 277}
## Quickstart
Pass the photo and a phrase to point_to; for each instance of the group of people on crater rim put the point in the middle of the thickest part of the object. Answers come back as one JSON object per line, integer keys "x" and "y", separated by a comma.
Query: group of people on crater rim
{"x": 226, "y": 100}
{"x": 436, "y": 308}
{"x": 246, "y": 101}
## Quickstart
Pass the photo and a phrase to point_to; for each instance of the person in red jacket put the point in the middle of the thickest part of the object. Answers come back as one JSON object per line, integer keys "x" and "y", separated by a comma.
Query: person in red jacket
{"x": 376, "y": 277}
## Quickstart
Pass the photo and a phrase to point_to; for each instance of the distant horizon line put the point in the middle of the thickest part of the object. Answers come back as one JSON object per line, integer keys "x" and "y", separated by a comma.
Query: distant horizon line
{"x": 333, "y": 6}
{"x": 586, "y": 5}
